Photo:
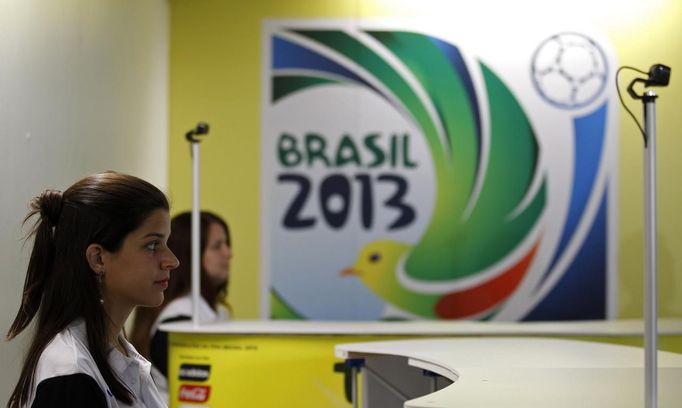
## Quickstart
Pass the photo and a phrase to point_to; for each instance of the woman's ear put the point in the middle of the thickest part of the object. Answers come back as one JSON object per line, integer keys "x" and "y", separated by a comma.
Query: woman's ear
{"x": 94, "y": 254}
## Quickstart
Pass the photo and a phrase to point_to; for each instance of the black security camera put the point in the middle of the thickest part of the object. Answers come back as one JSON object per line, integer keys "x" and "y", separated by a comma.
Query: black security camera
{"x": 659, "y": 75}
{"x": 201, "y": 129}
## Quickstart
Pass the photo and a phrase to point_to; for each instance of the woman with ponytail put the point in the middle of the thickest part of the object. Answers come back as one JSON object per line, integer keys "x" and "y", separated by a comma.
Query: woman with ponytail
{"x": 99, "y": 250}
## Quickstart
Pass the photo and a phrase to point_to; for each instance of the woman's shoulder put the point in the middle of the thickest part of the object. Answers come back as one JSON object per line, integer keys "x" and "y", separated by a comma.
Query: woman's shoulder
{"x": 75, "y": 391}
{"x": 181, "y": 306}
{"x": 66, "y": 365}
{"x": 66, "y": 354}
{"x": 181, "y": 309}
{"x": 178, "y": 309}
{"x": 223, "y": 313}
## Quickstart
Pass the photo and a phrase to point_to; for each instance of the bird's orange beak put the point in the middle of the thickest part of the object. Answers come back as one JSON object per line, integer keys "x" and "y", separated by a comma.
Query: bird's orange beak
{"x": 349, "y": 272}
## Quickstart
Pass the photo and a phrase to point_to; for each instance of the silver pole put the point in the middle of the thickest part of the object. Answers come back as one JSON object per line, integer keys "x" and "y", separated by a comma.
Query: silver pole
{"x": 650, "y": 279}
{"x": 196, "y": 283}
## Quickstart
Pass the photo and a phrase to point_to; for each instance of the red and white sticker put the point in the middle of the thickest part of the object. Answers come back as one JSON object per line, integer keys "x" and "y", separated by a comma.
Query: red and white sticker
{"x": 194, "y": 393}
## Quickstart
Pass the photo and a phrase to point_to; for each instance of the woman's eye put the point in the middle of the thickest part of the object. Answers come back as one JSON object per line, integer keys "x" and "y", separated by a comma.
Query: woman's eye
{"x": 153, "y": 246}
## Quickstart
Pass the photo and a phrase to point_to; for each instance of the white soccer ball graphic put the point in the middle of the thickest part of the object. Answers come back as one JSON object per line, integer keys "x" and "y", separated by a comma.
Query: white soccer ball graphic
{"x": 569, "y": 70}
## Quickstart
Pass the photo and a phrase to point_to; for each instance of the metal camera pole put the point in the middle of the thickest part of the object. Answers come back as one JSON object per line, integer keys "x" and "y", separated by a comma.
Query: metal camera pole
{"x": 650, "y": 252}
{"x": 191, "y": 136}
{"x": 659, "y": 75}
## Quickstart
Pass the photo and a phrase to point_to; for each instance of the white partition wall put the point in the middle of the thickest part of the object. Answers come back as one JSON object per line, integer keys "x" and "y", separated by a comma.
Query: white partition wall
{"x": 83, "y": 88}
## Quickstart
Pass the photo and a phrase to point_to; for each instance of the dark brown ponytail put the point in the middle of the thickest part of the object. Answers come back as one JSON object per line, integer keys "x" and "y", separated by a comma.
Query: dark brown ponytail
{"x": 49, "y": 206}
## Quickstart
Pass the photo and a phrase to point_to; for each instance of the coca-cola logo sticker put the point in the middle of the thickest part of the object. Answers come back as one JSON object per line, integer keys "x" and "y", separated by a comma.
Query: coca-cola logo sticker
{"x": 194, "y": 393}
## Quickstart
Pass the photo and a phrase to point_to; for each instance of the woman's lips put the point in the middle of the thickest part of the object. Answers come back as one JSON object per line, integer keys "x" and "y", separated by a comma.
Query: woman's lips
{"x": 163, "y": 283}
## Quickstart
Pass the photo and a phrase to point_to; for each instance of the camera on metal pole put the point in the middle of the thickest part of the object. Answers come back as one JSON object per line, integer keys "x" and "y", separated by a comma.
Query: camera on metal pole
{"x": 658, "y": 75}
{"x": 192, "y": 137}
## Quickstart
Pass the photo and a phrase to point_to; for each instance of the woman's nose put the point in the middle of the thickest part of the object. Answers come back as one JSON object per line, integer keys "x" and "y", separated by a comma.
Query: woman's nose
{"x": 171, "y": 261}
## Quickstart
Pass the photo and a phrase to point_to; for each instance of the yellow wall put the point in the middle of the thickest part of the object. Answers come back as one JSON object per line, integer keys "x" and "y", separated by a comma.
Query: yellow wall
{"x": 215, "y": 64}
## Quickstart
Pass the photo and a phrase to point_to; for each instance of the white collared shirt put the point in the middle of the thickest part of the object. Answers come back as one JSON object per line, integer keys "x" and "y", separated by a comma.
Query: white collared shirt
{"x": 68, "y": 354}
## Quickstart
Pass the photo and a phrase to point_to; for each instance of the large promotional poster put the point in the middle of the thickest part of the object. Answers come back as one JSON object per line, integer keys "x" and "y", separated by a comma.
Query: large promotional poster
{"x": 413, "y": 171}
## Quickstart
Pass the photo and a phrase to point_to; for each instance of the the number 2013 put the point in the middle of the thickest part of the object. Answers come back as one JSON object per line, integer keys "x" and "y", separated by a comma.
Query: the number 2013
{"x": 339, "y": 185}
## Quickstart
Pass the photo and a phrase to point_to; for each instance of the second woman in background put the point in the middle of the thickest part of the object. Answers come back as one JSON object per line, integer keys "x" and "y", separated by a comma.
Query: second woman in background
{"x": 216, "y": 253}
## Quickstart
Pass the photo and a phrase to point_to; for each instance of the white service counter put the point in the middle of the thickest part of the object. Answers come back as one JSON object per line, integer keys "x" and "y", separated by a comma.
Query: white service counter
{"x": 514, "y": 373}
{"x": 295, "y": 360}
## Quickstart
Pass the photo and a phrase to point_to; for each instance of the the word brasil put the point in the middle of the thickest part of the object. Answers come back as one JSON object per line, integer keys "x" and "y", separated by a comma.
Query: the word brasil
{"x": 335, "y": 190}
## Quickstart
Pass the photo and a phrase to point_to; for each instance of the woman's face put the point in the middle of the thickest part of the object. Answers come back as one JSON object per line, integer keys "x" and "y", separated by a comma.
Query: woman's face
{"x": 217, "y": 254}
{"x": 138, "y": 273}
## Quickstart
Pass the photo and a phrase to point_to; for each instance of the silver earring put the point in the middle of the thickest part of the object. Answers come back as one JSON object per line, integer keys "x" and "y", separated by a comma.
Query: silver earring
{"x": 99, "y": 282}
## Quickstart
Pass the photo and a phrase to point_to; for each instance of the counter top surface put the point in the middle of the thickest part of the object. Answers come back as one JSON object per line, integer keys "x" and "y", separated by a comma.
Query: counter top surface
{"x": 429, "y": 328}
{"x": 529, "y": 372}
